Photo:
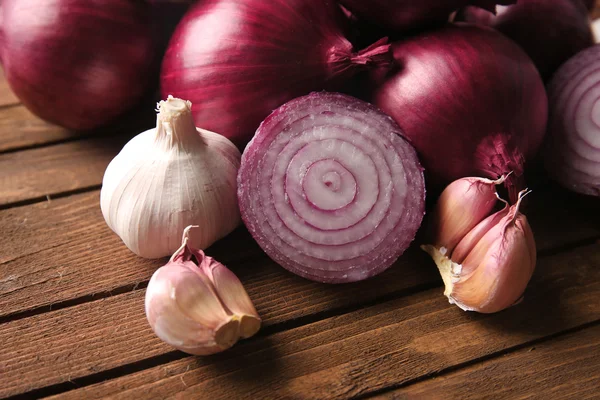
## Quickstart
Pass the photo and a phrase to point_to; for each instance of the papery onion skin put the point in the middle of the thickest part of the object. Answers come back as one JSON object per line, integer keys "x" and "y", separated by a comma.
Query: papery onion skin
{"x": 550, "y": 32}
{"x": 330, "y": 190}
{"x": 572, "y": 148}
{"x": 237, "y": 60}
{"x": 77, "y": 63}
{"x": 405, "y": 15}
{"x": 469, "y": 100}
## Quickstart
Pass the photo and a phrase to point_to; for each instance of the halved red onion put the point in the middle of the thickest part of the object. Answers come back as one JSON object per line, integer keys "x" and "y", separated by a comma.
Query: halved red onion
{"x": 572, "y": 149}
{"x": 330, "y": 190}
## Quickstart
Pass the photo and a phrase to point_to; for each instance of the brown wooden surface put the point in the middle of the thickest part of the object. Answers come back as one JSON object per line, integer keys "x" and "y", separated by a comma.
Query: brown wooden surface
{"x": 72, "y": 322}
{"x": 568, "y": 364}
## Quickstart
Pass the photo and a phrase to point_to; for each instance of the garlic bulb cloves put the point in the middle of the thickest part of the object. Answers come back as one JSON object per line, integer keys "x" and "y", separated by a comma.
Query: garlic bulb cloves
{"x": 167, "y": 178}
{"x": 199, "y": 307}
{"x": 490, "y": 267}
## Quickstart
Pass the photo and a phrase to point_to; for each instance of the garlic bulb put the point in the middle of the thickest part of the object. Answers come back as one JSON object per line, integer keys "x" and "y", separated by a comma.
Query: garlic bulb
{"x": 491, "y": 265}
{"x": 170, "y": 177}
{"x": 199, "y": 308}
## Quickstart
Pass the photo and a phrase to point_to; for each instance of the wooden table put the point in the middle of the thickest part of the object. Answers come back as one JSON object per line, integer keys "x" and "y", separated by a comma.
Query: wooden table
{"x": 72, "y": 320}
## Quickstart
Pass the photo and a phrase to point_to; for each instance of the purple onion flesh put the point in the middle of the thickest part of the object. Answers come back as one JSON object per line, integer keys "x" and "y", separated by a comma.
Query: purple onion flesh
{"x": 330, "y": 190}
{"x": 572, "y": 148}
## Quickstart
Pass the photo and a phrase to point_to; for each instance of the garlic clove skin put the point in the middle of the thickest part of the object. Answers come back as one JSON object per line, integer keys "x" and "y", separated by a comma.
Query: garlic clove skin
{"x": 185, "y": 308}
{"x": 234, "y": 296}
{"x": 170, "y": 177}
{"x": 499, "y": 262}
{"x": 461, "y": 206}
{"x": 498, "y": 270}
{"x": 474, "y": 236}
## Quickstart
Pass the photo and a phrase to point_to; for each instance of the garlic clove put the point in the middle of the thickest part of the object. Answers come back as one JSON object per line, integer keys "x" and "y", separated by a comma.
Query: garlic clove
{"x": 461, "y": 206}
{"x": 501, "y": 270}
{"x": 234, "y": 296}
{"x": 198, "y": 308}
{"x": 474, "y": 236}
{"x": 497, "y": 260}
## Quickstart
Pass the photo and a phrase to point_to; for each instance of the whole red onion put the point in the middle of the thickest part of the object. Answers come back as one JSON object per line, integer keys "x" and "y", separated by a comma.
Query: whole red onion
{"x": 330, "y": 190}
{"x": 550, "y": 32}
{"x": 469, "y": 100}
{"x": 237, "y": 60}
{"x": 403, "y": 15}
{"x": 77, "y": 63}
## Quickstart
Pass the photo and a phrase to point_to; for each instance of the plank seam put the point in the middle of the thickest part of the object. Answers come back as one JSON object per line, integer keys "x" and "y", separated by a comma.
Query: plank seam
{"x": 488, "y": 357}
{"x": 49, "y": 197}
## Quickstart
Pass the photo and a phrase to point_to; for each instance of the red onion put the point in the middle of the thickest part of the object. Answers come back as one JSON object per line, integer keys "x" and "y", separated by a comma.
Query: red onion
{"x": 402, "y": 15}
{"x": 550, "y": 32}
{"x": 77, "y": 63}
{"x": 572, "y": 150}
{"x": 329, "y": 189}
{"x": 237, "y": 60}
{"x": 469, "y": 100}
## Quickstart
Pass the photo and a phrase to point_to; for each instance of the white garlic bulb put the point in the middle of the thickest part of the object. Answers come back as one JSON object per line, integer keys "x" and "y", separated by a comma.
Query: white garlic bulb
{"x": 167, "y": 178}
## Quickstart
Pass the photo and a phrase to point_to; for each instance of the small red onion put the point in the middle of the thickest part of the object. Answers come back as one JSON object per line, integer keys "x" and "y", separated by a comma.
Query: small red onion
{"x": 572, "y": 149}
{"x": 329, "y": 189}
{"x": 237, "y": 60}
{"x": 77, "y": 63}
{"x": 550, "y": 32}
{"x": 403, "y": 15}
{"x": 469, "y": 100}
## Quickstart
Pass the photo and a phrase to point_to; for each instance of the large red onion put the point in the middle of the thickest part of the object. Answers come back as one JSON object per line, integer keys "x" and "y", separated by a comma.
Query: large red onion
{"x": 403, "y": 15}
{"x": 329, "y": 189}
{"x": 77, "y": 63}
{"x": 237, "y": 60}
{"x": 572, "y": 149}
{"x": 550, "y": 32}
{"x": 469, "y": 100}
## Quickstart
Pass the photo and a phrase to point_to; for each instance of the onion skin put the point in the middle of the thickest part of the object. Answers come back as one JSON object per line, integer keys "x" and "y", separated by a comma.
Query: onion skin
{"x": 550, "y": 32}
{"x": 330, "y": 190}
{"x": 469, "y": 100}
{"x": 237, "y": 60}
{"x": 572, "y": 148}
{"x": 405, "y": 15}
{"x": 76, "y": 63}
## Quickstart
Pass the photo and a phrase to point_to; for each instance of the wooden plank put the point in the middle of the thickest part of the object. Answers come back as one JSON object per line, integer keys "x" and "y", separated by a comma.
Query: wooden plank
{"x": 566, "y": 368}
{"x": 47, "y": 171}
{"x": 61, "y": 250}
{"x": 7, "y": 97}
{"x": 339, "y": 357}
{"x": 20, "y": 128}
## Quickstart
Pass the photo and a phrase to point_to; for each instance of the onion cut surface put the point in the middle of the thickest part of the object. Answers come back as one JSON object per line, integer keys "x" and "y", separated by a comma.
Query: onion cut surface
{"x": 572, "y": 149}
{"x": 329, "y": 189}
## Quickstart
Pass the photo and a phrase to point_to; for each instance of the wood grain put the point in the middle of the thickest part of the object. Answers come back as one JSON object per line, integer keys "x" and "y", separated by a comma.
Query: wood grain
{"x": 7, "y": 98}
{"x": 19, "y": 128}
{"x": 359, "y": 352}
{"x": 47, "y": 171}
{"x": 61, "y": 250}
{"x": 566, "y": 367}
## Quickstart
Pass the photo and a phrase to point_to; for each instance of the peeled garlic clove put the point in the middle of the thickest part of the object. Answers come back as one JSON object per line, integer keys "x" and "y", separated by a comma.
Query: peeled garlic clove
{"x": 461, "y": 206}
{"x": 498, "y": 267}
{"x": 170, "y": 177}
{"x": 186, "y": 310}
